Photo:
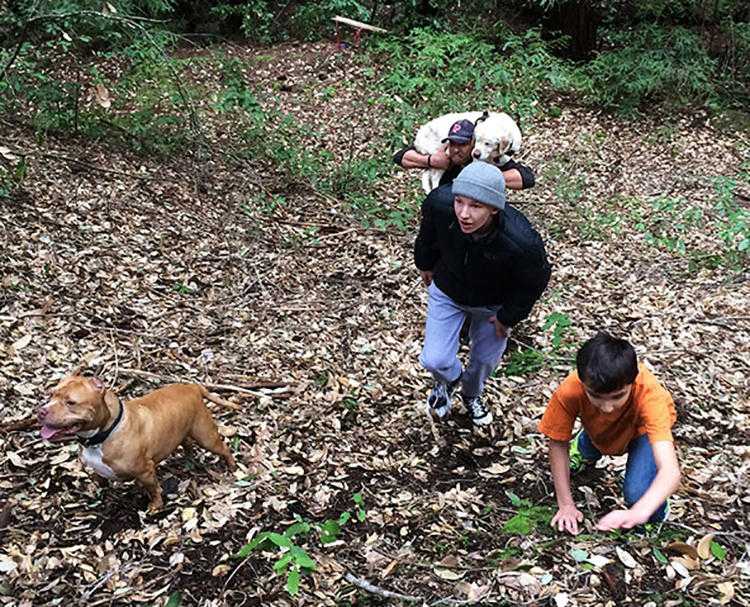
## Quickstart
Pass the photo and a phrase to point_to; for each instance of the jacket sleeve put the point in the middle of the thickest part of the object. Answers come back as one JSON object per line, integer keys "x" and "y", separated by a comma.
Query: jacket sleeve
{"x": 426, "y": 249}
{"x": 530, "y": 275}
{"x": 527, "y": 175}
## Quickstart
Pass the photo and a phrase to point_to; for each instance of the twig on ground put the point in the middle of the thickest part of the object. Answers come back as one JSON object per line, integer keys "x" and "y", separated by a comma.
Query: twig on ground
{"x": 85, "y": 163}
{"x": 208, "y": 386}
{"x": 234, "y": 572}
{"x": 373, "y": 589}
{"x": 389, "y": 594}
{"x": 15, "y": 425}
{"x": 98, "y": 584}
{"x": 737, "y": 536}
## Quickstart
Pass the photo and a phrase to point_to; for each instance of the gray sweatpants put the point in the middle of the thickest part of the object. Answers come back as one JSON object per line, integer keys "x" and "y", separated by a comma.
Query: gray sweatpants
{"x": 442, "y": 329}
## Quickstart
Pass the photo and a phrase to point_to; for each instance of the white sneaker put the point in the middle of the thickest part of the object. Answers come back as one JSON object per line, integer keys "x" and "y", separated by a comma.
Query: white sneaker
{"x": 439, "y": 401}
{"x": 479, "y": 413}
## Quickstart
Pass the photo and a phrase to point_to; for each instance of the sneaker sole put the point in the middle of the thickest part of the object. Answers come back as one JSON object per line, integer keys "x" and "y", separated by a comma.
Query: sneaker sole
{"x": 434, "y": 412}
{"x": 482, "y": 421}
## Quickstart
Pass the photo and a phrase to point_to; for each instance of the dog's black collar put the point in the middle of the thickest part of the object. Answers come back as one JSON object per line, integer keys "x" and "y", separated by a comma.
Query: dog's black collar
{"x": 101, "y": 436}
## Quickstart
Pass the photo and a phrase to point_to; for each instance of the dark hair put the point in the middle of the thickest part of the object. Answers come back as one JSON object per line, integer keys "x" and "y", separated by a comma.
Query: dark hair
{"x": 606, "y": 363}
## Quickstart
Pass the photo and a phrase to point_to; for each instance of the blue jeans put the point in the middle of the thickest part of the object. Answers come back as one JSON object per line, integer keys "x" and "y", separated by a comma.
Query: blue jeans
{"x": 441, "y": 341}
{"x": 640, "y": 471}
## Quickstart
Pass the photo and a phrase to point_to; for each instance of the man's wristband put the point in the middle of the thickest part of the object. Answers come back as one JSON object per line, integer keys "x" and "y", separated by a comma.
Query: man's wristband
{"x": 429, "y": 164}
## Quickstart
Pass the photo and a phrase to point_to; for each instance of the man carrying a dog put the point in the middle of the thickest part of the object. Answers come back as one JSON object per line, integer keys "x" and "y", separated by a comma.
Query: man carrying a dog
{"x": 456, "y": 154}
{"x": 481, "y": 260}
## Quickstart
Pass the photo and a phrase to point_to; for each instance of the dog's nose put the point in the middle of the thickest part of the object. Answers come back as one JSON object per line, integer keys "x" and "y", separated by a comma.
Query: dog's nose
{"x": 41, "y": 413}
{"x": 476, "y": 153}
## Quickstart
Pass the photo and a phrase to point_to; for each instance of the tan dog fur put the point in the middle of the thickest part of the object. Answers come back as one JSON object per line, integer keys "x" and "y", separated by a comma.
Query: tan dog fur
{"x": 151, "y": 428}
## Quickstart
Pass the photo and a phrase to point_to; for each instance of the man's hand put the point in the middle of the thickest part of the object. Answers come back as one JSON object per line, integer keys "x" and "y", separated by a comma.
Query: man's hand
{"x": 440, "y": 159}
{"x": 500, "y": 329}
{"x": 567, "y": 519}
{"x": 620, "y": 519}
{"x": 426, "y": 277}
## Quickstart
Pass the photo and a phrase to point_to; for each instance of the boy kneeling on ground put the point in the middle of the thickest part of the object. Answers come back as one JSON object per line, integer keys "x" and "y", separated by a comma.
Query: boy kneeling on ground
{"x": 623, "y": 409}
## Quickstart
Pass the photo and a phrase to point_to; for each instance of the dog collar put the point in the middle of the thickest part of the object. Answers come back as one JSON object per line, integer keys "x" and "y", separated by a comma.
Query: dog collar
{"x": 101, "y": 436}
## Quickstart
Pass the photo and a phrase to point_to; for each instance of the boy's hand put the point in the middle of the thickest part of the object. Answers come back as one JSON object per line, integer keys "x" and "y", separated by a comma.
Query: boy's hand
{"x": 426, "y": 277}
{"x": 500, "y": 329}
{"x": 567, "y": 519}
{"x": 620, "y": 519}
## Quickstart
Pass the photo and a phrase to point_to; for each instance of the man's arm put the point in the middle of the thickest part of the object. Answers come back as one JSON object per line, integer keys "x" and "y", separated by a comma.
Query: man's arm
{"x": 664, "y": 484}
{"x": 517, "y": 176}
{"x": 568, "y": 516}
{"x": 411, "y": 159}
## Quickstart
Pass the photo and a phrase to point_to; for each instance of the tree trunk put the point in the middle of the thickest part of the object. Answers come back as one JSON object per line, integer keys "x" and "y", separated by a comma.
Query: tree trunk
{"x": 579, "y": 20}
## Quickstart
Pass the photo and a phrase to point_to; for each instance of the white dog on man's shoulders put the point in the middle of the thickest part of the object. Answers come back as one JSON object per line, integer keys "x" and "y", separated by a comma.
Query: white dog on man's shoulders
{"x": 496, "y": 138}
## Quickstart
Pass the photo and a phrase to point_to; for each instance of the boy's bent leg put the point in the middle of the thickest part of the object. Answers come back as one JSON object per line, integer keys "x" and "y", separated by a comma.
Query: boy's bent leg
{"x": 439, "y": 353}
{"x": 485, "y": 353}
{"x": 582, "y": 452}
{"x": 440, "y": 349}
{"x": 586, "y": 448}
{"x": 640, "y": 472}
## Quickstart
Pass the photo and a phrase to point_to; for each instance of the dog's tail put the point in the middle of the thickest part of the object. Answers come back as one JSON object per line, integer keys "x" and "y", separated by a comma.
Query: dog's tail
{"x": 215, "y": 398}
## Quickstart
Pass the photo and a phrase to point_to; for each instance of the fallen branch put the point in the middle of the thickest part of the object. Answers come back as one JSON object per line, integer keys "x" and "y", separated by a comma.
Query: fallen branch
{"x": 18, "y": 424}
{"x": 389, "y": 594}
{"x": 208, "y": 386}
{"x": 740, "y": 537}
{"x": 373, "y": 589}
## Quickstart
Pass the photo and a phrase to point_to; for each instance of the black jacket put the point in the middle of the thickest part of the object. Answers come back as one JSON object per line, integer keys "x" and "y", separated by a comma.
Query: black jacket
{"x": 507, "y": 267}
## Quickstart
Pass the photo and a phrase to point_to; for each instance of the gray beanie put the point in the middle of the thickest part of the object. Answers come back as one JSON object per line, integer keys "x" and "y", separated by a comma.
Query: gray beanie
{"x": 482, "y": 182}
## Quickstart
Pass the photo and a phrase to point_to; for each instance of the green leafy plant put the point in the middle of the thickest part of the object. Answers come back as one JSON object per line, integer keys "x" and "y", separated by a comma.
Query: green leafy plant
{"x": 175, "y": 600}
{"x": 733, "y": 223}
{"x": 433, "y": 71}
{"x": 528, "y": 517}
{"x": 559, "y": 323}
{"x": 11, "y": 177}
{"x": 651, "y": 62}
{"x": 718, "y": 550}
{"x": 360, "y": 502}
{"x": 524, "y": 361}
{"x": 292, "y": 560}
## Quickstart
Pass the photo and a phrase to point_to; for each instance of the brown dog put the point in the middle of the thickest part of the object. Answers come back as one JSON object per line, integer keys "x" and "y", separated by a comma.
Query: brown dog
{"x": 127, "y": 440}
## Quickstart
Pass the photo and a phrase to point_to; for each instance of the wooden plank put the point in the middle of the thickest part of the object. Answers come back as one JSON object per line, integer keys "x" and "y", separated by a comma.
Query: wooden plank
{"x": 359, "y": 24}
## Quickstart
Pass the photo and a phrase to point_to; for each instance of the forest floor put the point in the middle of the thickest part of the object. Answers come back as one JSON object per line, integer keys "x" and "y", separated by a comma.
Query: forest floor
{"x": 198, "y": 268}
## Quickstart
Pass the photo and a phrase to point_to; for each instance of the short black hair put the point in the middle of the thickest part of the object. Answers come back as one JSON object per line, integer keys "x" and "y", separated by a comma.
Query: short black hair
{"x": 606, "y": 363}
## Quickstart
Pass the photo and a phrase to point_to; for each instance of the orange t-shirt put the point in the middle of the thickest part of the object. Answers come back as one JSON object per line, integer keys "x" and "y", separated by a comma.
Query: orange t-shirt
{"x": 649, "y": 410}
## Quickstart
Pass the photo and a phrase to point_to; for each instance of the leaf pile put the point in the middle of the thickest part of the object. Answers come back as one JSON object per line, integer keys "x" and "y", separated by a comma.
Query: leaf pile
{"x": 149, "y": 272}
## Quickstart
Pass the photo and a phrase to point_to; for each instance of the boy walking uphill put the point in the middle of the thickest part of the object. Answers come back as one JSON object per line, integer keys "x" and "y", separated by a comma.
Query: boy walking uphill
{"x": 480, "y": 259}
{"x": 623, "y": 409}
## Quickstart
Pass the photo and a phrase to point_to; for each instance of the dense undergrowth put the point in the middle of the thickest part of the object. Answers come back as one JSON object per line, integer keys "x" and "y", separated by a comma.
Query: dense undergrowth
{"x": 128, "y": 73}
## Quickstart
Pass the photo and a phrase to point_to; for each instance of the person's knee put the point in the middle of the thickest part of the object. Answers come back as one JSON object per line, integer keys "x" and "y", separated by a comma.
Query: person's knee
{"x": 436, "y": 361}
{"x": 488, "y": 362}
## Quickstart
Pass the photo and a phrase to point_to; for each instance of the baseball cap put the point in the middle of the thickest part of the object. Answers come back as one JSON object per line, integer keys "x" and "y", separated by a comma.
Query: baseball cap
{"x": 461, "y": 132}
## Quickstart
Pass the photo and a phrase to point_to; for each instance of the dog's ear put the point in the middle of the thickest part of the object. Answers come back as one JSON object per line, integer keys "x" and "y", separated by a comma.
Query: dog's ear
{"x": 97, "y": 384}
{"x": 483, "y": 117}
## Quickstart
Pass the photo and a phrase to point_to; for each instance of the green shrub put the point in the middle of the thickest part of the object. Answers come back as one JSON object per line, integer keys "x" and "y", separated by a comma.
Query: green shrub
{"x": 432, "y": 72}
{"x": 652, "y": 64}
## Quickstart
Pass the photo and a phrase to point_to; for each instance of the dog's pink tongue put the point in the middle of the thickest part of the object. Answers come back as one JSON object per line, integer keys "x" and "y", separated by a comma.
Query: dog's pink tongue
{"x": 48, "y": 432}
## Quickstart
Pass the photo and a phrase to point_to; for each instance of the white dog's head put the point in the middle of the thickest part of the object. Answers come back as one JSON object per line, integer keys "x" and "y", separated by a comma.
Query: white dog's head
{"x": 496, "y": 138}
